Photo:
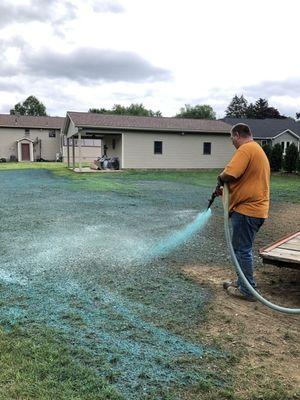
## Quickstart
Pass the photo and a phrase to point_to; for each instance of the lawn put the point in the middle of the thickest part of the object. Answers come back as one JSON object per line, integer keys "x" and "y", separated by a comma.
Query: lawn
{"x": 88, "y": 309}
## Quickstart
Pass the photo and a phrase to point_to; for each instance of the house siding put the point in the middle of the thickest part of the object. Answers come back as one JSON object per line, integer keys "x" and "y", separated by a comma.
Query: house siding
{"x": 179, "y": 151}
{"x": 49, "y": 146}
{"x": 8, "y": 141}
{"x": 71, "y": 129}
{"x": 286, "y": 137}
{"x": 117, "y": 151}
{"x": 88, "y": 153}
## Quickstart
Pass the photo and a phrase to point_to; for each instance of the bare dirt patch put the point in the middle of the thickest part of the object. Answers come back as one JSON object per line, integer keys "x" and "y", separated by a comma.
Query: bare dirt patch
{"x": 266, "y": 343}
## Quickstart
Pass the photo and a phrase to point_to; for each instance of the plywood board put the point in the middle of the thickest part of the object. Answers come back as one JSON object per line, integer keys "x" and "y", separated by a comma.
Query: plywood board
{"x": 286, "y": 249}
{"x": 283, "y": 255}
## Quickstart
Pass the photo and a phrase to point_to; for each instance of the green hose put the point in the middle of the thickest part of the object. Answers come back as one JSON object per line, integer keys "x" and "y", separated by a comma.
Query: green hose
{"x": 239, "y": 269}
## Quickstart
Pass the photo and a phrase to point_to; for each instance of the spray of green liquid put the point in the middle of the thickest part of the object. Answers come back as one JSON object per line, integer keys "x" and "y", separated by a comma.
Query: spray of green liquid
{"x": 181, "y": 236}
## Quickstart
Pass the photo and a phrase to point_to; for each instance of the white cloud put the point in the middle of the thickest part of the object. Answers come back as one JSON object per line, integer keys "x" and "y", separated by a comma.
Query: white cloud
{"x": 98, "y": 53}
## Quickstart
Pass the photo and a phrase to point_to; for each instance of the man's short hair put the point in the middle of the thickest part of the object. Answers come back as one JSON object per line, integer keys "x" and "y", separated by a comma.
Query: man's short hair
{"x": 242, "y": 129}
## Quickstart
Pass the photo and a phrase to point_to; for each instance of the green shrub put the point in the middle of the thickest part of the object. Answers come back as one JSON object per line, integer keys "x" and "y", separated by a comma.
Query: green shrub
{"x": 268, "y": 150}
{"x": 276, "y": 157}
{"x": 290, "y": 158}
{"x": 298, "y": 163}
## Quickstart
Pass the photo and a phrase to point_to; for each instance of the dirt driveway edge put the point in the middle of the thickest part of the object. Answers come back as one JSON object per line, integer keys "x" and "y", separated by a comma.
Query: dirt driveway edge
{"x": 266, "y": 343}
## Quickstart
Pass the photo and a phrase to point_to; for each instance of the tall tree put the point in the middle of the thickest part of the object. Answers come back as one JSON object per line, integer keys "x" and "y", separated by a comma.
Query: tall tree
{"x": 298, "y": 115}
{"x": 237, "y": 107}
{"x": 262, "y": 110}
{"x": 133, "y": 109}
{"x": 203, "y": 111}
{"x": 31, "y": 106}
{"x": 261, "y": 106}
{"x": 250, "y": 112}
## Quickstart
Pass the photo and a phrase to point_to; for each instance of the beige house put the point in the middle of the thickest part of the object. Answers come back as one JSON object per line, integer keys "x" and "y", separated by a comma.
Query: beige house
{"x": 28, "y": 138}
{"x": 150, "y": 142}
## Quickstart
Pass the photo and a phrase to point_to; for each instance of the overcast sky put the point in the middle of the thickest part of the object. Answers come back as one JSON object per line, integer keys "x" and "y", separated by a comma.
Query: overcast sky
{"x": 80, "y": 54}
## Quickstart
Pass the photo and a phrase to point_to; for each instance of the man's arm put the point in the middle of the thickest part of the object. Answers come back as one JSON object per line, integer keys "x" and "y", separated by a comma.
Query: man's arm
{"x": 223, "y": 177}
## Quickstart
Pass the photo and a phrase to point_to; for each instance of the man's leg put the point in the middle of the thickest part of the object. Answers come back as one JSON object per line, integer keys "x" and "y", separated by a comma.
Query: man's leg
{"x": 244, "y": 229}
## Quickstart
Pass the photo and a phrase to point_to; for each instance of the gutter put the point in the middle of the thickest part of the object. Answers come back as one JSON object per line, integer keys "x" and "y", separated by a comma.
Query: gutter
{"x": 180, "y": 131}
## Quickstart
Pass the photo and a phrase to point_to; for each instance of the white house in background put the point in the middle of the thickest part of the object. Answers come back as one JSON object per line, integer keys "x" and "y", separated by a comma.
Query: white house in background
{"x": 151, "y": 142}
{"x": 28, "y": 138}
{"x": 271, "y": 131}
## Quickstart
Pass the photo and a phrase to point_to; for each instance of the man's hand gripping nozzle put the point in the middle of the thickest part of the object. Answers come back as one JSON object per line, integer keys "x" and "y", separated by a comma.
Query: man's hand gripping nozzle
{"x": 217, "y": 192}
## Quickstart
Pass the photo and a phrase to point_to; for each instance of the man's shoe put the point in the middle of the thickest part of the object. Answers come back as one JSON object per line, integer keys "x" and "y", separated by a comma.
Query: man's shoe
{"x": 226, "y": 284}
{"x": 235, "y": 292}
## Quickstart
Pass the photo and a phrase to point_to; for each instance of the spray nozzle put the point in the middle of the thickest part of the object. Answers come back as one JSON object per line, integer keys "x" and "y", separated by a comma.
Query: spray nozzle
{"x": 215, "y": 194}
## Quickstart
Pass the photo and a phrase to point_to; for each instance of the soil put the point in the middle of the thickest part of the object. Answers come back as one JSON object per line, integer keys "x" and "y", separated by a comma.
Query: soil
{"x": 266, "y": 342}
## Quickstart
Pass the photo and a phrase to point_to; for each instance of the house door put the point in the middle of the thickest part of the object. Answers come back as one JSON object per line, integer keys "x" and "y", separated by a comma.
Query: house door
{"x": 25, "y": 152}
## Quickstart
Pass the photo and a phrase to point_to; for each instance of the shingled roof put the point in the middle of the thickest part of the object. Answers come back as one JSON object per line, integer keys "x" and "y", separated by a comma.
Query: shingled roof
{"x": 124, "y": 122}
{"x": 267, "y": 128}
{"x": 28, "y": 121}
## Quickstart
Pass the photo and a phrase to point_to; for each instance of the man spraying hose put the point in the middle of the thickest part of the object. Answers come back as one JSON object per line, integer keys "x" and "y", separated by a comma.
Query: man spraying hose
{"x": 248, "y": 176}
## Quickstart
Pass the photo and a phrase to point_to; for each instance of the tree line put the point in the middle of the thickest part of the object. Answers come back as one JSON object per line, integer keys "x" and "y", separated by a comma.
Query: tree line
{"x": 237, "y": 108}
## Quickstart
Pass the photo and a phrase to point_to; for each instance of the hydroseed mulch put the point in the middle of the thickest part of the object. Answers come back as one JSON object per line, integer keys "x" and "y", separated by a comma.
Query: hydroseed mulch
{"x": 85, "y": 261}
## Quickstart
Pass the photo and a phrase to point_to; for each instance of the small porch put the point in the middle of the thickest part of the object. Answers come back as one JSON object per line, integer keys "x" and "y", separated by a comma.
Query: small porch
{"x": 111, "y": 146}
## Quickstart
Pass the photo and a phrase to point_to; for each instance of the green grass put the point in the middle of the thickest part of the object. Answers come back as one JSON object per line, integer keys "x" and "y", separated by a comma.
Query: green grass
{"x": 284, "y": 187}
{"x": 37, "y": 365}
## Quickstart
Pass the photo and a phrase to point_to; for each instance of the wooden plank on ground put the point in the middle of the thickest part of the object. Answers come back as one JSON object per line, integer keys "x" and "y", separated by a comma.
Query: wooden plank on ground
{"x": 285, "y": 251}
{"x": 293, "y": 236}
{"x": 282, "y": 255}
{"x": 290, "y": 246}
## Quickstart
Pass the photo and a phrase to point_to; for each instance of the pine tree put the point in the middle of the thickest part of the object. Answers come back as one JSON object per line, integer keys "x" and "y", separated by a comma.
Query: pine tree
{"x": 250, "y": 112}
{"x": 261, "y": 107}
{"x": 237, "y": 107}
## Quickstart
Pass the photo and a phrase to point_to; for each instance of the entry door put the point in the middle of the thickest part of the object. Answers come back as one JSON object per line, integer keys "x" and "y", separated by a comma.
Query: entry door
{"x": 25, "y": 152}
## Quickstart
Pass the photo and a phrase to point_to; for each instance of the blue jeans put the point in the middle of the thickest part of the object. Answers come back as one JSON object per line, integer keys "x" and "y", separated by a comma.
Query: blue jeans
{"x": 244, "y": 229}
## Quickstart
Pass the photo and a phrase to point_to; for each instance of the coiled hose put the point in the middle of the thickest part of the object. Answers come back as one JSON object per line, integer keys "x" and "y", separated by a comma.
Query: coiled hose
{"x": 239, "y": 270}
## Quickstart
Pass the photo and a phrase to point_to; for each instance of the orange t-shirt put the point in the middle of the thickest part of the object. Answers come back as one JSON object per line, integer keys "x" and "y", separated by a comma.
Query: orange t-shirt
{"x": 250, "y": 193}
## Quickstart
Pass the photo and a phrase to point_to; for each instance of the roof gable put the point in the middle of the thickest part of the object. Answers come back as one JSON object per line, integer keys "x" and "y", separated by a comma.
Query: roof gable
{"x": 287, "y": 131}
